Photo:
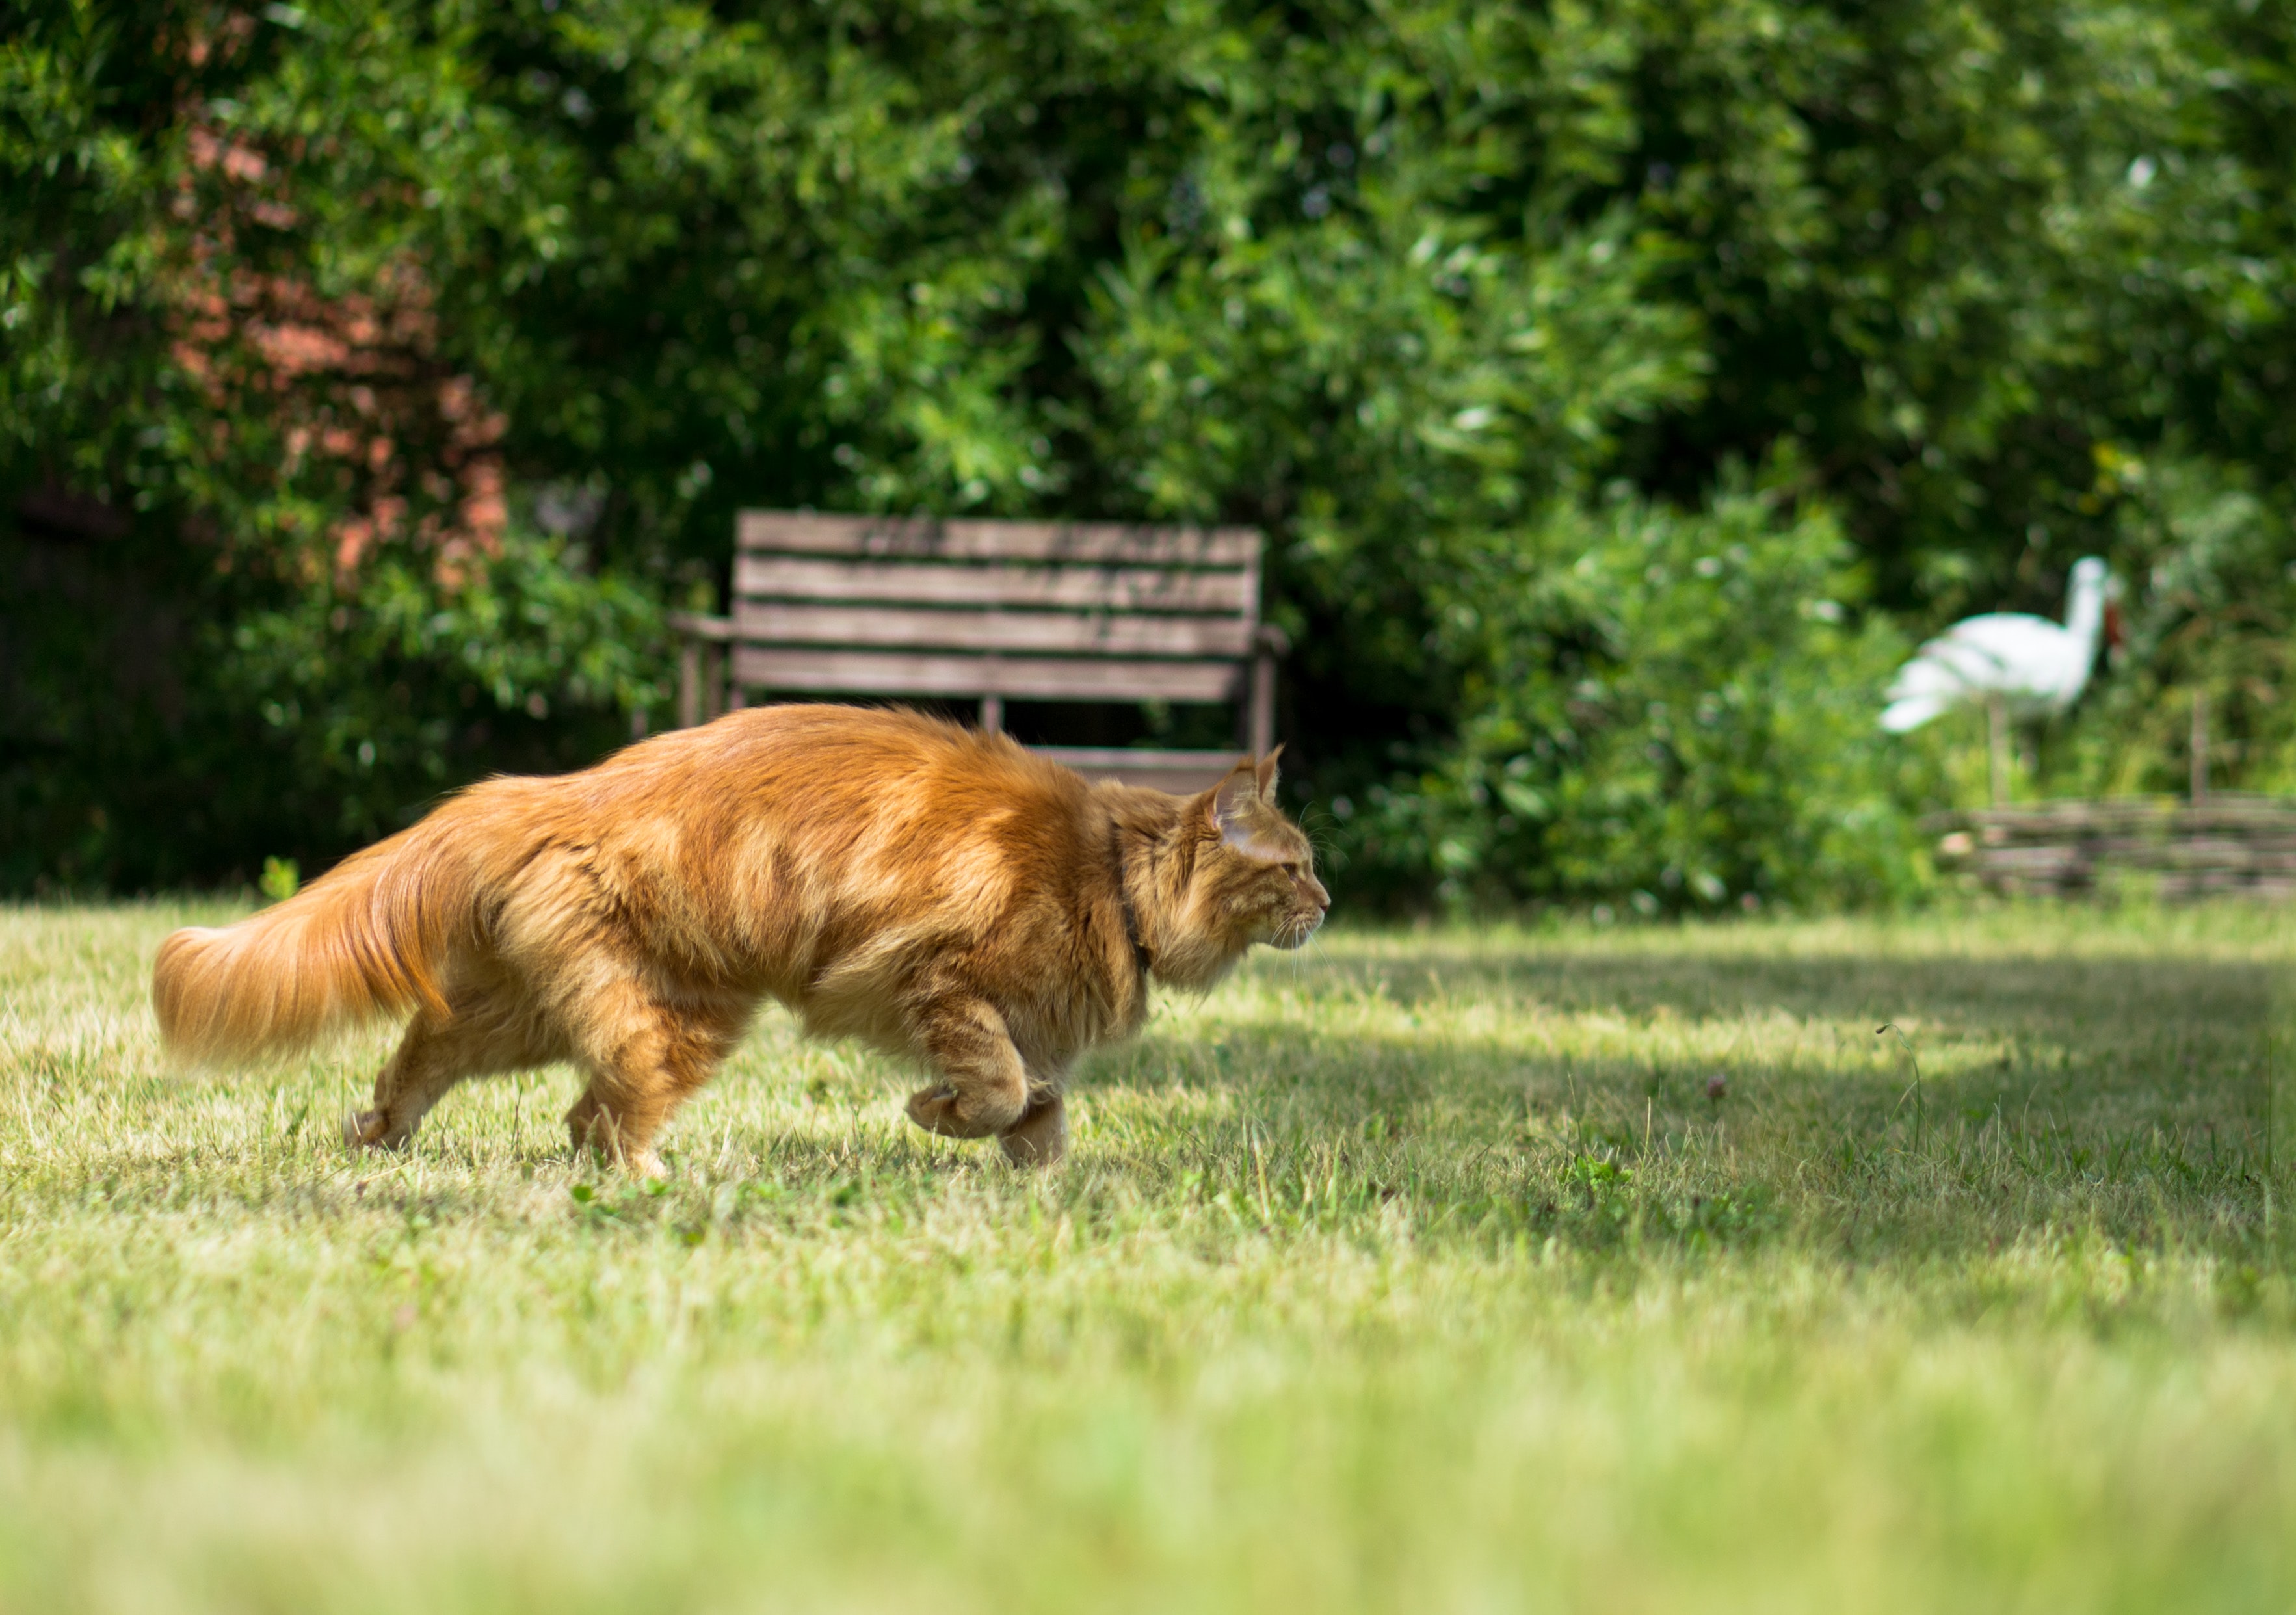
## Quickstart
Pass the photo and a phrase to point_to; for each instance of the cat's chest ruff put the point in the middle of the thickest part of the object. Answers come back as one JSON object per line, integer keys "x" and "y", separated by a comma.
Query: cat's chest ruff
{"x": 1103, "y": 999}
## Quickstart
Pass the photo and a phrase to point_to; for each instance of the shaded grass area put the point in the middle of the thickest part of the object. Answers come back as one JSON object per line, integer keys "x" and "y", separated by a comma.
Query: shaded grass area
{"x": 1568, "y": 1269}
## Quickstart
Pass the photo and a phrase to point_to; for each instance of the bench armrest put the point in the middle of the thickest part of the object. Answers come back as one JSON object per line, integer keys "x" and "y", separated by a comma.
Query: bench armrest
{"x": 701, "y": 625}
{"x": 703, "y": 690}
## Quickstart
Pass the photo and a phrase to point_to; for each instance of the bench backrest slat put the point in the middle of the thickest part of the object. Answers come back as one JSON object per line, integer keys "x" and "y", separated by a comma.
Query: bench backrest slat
{"x": 1020, "y": 633}
{"x": 1225, "y": 592}
{"x": 1086, "y": 543}
{"x": 1023, "y": 677}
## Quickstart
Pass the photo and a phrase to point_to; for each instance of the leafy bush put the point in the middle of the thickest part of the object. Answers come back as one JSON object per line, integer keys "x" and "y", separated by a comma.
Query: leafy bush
{"x": 1678, "y": 708}
{"x": 2214, "y": 562}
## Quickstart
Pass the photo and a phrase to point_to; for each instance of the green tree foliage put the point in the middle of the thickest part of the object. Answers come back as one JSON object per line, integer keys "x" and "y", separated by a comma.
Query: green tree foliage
{"x": 374, "y": 373}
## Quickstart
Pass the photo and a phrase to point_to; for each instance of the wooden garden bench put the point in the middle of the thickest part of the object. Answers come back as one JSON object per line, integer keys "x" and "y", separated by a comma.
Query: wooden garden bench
{"x": 994, "y": 612}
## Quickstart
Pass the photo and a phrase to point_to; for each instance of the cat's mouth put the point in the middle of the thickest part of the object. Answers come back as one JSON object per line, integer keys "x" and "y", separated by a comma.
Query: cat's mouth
{"x": 1294, "y": 930}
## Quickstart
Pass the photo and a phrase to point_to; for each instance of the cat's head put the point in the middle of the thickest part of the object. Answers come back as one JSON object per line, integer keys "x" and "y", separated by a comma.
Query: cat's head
{"x": 1254, "y": 877}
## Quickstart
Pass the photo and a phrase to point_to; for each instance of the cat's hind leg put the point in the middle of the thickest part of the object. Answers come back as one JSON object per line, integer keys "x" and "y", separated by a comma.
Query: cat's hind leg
{"x": 482, "y": 1035}
{"x": 645, "y": 1056}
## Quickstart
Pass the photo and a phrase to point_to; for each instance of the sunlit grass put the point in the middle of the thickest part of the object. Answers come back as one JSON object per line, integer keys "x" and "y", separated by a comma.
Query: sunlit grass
{"x": 1624, "y": 1270}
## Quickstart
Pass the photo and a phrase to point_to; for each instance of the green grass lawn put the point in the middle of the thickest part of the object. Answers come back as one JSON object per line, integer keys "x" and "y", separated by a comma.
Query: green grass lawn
{"x": 1419, "y": 1273}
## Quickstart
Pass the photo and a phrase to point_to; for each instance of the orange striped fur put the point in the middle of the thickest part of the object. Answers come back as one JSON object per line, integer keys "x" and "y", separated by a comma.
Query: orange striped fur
{"x": 943, "y": 895}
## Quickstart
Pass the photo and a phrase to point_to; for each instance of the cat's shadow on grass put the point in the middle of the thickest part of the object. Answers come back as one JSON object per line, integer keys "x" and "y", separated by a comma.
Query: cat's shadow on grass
{"x": 2078, "y": 997}
{"x": 2109, "y": 1043}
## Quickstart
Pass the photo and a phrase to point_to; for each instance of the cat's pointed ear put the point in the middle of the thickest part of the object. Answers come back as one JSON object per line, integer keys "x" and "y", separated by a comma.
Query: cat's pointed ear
{"x": 1237, "y": 815}
{"x": 1232, "y": 803}
{"x": 1264, "y": 772}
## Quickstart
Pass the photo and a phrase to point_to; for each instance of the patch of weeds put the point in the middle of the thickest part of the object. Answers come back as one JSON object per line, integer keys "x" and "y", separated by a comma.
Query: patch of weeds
{"x": 618, "y": 1205}
{"x": 1599, "y": 1181}
{"x": 2239, "y": 1290}
{"x": 1733, "y": 1219}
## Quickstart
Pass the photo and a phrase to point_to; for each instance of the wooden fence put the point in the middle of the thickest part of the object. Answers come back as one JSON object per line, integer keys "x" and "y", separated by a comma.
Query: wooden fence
{"x": 2230, "y": 842}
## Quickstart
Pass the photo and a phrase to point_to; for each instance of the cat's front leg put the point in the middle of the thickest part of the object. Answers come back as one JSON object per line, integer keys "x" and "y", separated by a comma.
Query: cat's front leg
{"x": 984, "y": 1089}
{"x": 1041, "y": 1136}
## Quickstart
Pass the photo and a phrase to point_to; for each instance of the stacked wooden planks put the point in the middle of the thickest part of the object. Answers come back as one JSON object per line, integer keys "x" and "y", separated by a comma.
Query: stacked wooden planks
{"x": 2228, "y": 843}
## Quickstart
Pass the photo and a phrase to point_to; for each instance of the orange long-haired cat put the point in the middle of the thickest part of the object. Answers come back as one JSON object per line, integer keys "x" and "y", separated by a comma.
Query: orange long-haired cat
{"x": 944, "y": 895}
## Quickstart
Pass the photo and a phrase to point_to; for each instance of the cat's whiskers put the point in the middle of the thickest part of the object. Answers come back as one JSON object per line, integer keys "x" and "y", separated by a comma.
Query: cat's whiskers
{"x": 1313, "y": 944}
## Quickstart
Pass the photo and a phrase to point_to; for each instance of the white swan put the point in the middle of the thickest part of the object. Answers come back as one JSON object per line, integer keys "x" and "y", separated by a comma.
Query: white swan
{"x": 2028, "y": 667}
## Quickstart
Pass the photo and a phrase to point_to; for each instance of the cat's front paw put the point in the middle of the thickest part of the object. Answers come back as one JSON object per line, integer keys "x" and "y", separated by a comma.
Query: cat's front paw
{"x": 1040, "y": 1138}
{"x": 372, "y": 1130}
{"x": 938, "y": 1110}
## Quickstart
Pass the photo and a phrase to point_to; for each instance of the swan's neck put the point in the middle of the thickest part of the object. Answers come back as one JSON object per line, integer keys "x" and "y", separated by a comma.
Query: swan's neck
{"x": 2085, "y": 613}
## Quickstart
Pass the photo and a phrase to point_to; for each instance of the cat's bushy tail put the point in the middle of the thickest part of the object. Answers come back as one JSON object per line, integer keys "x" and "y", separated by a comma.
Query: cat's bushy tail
{"x": 367, "y": 939}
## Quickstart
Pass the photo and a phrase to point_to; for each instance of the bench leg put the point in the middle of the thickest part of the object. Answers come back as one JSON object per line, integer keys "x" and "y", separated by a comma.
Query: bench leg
{"x": 992, "y": 715}
{"x": 689, "y": 683}
{"x": 1263, "y": 704}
